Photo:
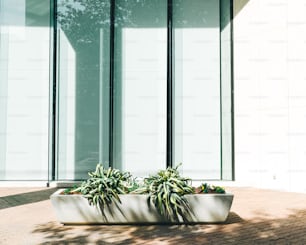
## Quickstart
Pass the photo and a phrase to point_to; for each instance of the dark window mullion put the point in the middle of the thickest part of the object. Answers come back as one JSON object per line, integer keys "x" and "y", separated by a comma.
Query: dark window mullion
{"x": 169, "y": 159}
{"x": 232, "y": 87}
{"x": 53, "y": 19}
{"x": 111, "y": 82}
{"x": 220, "y": 70}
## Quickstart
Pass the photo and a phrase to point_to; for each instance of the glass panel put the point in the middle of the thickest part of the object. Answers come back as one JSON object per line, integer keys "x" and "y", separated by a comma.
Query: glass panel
{"x": 24, "y": 89}
{"x": 226, "y": 65}
{"x": 197, "y": 87}
{"x": 140, "y": 85}
{"x": 83, "y": 86}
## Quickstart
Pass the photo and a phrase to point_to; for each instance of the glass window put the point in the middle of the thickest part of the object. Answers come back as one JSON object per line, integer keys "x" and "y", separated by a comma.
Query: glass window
{"x": 140, "y": 85}
{"x": 197, "y": 87}
{"x": 83, "y": 86}
{"x": 134, "y": 56}
{"x": 24, "y": 89}
{"x": 125, "y": 123}
{"x": 226, "y": 89}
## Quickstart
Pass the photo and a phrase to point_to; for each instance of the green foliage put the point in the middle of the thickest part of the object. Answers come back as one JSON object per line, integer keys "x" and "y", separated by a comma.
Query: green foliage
{"x": 166, "y": 191}
{"x": 134, "y": 185}
{"x": 70, "y": 190}
{"x": 206, "y": 188}
{"x": 104, "y": 186}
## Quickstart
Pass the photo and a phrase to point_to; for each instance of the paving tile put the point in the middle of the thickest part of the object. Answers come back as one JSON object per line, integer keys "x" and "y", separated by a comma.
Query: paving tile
{"x": 257, "y": 217}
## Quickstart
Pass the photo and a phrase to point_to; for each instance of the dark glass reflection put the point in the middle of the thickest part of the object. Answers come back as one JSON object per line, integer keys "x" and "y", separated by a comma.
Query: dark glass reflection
{"x": 83, "y": 66}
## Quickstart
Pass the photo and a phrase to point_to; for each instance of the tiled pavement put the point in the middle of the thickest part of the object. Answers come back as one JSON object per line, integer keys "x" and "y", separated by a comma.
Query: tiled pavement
{"x": 257, "y": 217}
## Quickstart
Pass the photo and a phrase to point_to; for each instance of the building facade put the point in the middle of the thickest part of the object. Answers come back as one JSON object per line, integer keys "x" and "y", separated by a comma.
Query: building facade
{"x": 139, "y": 85}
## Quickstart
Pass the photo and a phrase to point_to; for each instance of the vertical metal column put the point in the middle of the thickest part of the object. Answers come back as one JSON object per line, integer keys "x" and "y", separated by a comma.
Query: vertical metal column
{"x": 232, "y": 88}
{"x": 169, "y": 159}
{"x": 111, "y": 82}
{"x": 53, "y": 87}
{"x": 221, "y": 109}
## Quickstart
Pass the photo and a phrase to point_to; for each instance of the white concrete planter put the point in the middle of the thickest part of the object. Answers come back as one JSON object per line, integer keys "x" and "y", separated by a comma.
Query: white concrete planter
{"x": 74, "y": 209}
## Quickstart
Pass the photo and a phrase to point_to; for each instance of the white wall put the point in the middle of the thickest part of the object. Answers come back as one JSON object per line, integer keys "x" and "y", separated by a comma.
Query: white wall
{"x": 270, "y": 93}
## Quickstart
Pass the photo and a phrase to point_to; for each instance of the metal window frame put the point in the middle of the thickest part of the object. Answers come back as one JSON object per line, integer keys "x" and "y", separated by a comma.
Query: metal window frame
{"x": 53, "y": 94}
{"x": 169, "y": 129}
{"x": 232, "y": 87}
{"x": 111, "y": 83}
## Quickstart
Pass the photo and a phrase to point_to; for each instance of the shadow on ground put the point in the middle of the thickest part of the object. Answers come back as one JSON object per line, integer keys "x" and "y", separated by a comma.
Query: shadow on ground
{"x": 288, "y": 230}
{"x": 25, "y": 198}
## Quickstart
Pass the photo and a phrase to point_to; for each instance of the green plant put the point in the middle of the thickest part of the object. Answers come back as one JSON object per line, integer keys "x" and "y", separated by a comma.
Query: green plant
{"x": 206, "y": 188}
{"x": 166, "y": 191}
{"x": 70, "y": 190}
{"x": 104, "y": 186}
{"x": 134, "y": 185}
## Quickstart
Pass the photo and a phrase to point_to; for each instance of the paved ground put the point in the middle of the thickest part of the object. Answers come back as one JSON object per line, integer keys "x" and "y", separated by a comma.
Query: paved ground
{"x": 257, "y": 217}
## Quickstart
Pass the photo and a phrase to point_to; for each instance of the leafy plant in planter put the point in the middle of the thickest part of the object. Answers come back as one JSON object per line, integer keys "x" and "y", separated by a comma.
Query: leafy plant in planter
{"x": 70, "y": 190}
{"x": 166, "y": 191}
{"x": 164, "y": 199}
{"x": 103, "y": 186}
{"x": 206, "y": 188}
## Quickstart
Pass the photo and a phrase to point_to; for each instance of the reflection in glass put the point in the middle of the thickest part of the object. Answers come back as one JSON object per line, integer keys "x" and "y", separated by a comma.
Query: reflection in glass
{"x": 226, "y": 89}
{"x": 140, "y": 85}
{"x": 83, "y": 86}
{"x": 202, "y": 79}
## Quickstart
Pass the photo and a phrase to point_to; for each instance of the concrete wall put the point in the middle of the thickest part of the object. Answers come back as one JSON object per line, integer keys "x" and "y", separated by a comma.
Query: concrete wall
{"x": 270, "y": 93}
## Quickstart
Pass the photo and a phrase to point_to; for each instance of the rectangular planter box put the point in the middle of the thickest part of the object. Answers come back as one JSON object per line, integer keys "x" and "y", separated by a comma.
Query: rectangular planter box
{"x": 74, "y": 209}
